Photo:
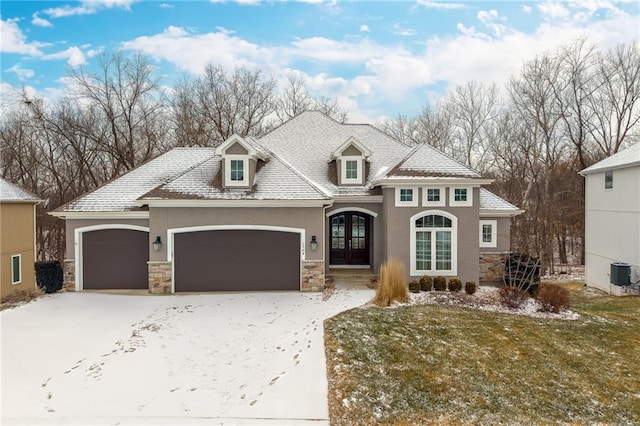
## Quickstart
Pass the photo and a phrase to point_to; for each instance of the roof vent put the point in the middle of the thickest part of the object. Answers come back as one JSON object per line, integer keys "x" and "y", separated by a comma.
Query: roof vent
{"x": 620, "y": 273}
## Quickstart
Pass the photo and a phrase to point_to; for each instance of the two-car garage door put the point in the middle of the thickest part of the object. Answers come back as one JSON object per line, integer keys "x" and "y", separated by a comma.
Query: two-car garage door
{"x": 238, "y": 259}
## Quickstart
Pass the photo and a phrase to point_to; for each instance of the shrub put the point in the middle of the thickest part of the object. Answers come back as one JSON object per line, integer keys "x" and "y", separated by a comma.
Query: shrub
{"x": 439, "y": 283}
{"x": 470, "y": 287}
{"x": 414, "y": 286}
{"x": 392, "y": 285}
{"x": 512, "y": 297}
{"x": 49, "y": 275}
{"x": 21, "y": 296}
{"x": 553, "y": 298}
{"x": 455, "y": 284}
{"x": 426, "y": 283}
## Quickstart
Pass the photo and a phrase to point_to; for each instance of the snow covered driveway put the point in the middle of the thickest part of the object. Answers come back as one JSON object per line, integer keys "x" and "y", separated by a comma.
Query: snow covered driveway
{"x": 234, "y": 358}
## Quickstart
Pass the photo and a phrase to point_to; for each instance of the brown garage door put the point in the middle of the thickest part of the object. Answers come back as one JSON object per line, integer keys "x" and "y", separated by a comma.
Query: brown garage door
{"x": 233, "y": 260}
{"x": 115, "y": 259}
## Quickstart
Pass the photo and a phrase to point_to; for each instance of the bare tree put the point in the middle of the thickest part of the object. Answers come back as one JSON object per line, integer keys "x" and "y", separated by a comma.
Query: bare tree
{"x": 295, "y": 98}
{"x": 401, "y": 128}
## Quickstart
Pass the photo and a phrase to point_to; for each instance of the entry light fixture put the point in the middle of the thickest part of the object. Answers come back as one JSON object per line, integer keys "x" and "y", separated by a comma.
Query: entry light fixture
{"x": 314, "y": 243}
{"x": 157, "y": 244}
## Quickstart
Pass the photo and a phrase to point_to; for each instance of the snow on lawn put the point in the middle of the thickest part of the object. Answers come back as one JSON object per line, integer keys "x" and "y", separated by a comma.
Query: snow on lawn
{"x": 102, "y": 358}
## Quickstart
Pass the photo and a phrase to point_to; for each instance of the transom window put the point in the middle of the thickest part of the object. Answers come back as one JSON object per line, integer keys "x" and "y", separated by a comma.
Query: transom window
{"x": 608, "y": 179}
{"x": 16, "y": 270}
{"x": 461, "y": 196}
{"x": 434, "y": 244}
{"x": 406, "y": 194}
{"x": 433, "y": 197}
{"x": 433, "y": 194}
{"x": 406, "y": 197}
{"x": 351, "y": 169}
{"x": 237, "y": 170}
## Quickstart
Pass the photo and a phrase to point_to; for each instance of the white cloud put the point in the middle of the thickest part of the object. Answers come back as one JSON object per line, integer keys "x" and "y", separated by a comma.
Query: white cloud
{"x": 73, "y": 55}
{"x": 87, "y": 7}
{"x": 14, "y": 41}
{"x": 553, "y": 10}
{"x": 405, "y": 32}
{"x": 40, "y": 22}
{"x": 489, "y": 18}
{"x": 440, "y": 4}
{"x": 364, "y": 28}
{"x": 166, "y": 6}
{"x": 22, "y": 73}
{"x": 527, "y": 9}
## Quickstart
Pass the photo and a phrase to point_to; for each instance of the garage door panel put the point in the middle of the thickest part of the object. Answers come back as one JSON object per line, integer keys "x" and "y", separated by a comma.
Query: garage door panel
{"x": 115, "y": 259}
{"x": 234, "y": 260}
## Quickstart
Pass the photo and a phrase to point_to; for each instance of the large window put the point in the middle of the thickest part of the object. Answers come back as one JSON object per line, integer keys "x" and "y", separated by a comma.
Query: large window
{"x": 433, "y": 243}
{"x": 16, "y": 269}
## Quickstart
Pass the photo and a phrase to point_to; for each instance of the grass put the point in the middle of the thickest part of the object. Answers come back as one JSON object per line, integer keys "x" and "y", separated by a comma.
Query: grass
{"x": 437, "y": 364}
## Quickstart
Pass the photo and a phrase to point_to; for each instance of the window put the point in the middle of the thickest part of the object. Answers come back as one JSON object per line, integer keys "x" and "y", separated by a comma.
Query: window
{"x": 237, "y": 170}
{"x": 608, "y": 179}
{"x": 433, "y": 245}
{"x": 488, "y": 233}
{"x": 461, "y": 196}
{"x": 351, "y": 171}
{"x": 406, "y": 197}
{"x": 16, "y": 270}
{"x": 433, "y": 197}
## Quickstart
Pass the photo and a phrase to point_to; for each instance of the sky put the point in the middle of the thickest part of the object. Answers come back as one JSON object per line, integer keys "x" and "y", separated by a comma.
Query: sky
{"x": 377, "y": 58}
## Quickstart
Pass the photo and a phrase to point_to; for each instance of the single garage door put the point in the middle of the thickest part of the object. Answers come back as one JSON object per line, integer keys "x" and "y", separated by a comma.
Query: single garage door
{"x": 115, "y": 259}
{"x": 233, "y": 260}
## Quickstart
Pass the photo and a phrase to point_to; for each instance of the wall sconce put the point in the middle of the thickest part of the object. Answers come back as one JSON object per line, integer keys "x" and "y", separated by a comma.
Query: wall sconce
{"x": 314, "y": 243}
{"x": 157, "y": 244}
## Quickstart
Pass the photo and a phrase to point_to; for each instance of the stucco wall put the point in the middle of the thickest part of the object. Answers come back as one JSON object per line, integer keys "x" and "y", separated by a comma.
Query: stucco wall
{"x": 17, "y": 237}
{"x": 309, "y": 219}
{"x": 612, "y": 225}
{"x": 503, "y": 235}
{"x": 398, "y": 228}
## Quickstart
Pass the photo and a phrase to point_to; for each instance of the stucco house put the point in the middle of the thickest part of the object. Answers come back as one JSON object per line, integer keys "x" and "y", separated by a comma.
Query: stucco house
{"x": 281, "y": 212}
{"x": 17, "y": 238}
{"x": 612, "y": 220}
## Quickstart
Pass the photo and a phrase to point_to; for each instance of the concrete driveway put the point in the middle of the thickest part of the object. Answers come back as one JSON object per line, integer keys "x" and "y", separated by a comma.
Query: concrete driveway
{"x": 233, "y": 358}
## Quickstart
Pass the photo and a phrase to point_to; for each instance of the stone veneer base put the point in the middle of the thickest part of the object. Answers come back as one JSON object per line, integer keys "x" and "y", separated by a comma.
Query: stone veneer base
{"x": 312, "y": 275}
{"x": 492, "y": 267}
{"x": 159, "y": 277}
{"x": 69, "y": 279}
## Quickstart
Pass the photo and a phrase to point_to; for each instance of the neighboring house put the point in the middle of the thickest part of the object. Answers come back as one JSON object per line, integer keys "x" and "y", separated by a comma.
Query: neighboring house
{"x": 612, "y": 218}
{"x": 17, "y": 238}
{"x": 280, "y": 212}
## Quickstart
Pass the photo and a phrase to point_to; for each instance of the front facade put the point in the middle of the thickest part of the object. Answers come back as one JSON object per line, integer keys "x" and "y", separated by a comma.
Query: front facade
{"x": 17, "y": 239}
{"x": 612, "y": 220}
{"x": 281, "y": 212}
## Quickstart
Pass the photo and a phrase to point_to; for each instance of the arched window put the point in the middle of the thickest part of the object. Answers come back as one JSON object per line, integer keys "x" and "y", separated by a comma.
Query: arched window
{"x": 434, "y": 243}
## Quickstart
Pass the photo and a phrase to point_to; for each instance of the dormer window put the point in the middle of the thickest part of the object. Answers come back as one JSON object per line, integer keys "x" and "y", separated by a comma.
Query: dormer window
{"x": 236, "y": 171}
{"x": 238, "y": 162}
{"x": 351, "y": 157}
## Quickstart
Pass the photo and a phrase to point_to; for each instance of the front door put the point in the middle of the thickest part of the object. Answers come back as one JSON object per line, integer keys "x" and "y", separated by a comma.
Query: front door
{"x": 349, "y": 239}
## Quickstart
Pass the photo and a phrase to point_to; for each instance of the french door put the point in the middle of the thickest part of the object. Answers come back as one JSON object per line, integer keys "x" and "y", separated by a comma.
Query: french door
{"x": 349, "y": 239}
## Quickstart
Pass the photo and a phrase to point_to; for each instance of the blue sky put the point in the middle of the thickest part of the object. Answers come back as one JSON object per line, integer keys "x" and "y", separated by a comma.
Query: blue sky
{"x": 378, "y": 58}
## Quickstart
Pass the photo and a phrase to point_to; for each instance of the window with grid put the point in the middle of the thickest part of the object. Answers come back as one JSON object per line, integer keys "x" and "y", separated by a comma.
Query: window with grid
{"x": 433, "y": 195}
{"x": 460, "y": 194}
{"x": 433, "y": 239}
{"x": 406, "y": 195}
{"x": 237, "y": 170}
{"x": 351, "y": 169}
{"x": 608, "y": 179}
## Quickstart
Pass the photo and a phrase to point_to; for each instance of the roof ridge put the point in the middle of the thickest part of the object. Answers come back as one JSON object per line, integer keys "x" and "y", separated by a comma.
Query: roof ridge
{"x": 433, "y": 148}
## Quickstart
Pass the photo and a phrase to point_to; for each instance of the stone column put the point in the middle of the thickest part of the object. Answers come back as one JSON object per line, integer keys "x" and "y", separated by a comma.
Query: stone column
{"x": 491, "y": 268}
{"x": 312, "y": 275}
{"x": 69, "y": 268}
{"x": 159, "y": 277}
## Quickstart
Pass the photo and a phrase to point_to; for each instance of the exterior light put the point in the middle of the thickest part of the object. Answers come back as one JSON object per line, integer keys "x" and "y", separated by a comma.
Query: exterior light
{"x": 157, "y": 244}
{"x": 314, "y": 243}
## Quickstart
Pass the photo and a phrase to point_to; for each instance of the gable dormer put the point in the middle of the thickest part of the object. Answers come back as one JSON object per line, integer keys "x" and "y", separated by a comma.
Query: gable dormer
{"x": 350, "y": 158}
{"x": 238, "y": 162}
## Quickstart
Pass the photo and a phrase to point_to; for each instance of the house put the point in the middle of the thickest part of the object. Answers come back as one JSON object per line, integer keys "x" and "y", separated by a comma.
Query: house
{"x": 280, "y": 212}
{"x": 17, "y": 238}
{"x": 612, "y": 220}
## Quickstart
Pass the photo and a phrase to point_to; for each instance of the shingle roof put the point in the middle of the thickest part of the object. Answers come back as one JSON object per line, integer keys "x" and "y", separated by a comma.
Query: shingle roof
{"x": 321, "y": 136}
{"x": 121, "y": 194}
{"x": 426, "y": 161}
{"x": 490, "y": 201}
{"x": 11, "y": 192}
{"x": 626, "y": 158}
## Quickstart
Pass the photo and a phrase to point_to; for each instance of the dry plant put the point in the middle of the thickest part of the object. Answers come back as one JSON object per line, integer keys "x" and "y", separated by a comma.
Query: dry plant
{"x": 392, "y": 286}
{"x": 21, "y": 296}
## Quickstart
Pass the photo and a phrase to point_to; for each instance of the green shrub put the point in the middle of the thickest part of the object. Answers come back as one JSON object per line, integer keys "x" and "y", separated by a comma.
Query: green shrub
{"x": 455, "y": 284}
{"x": 392, "y": 285}
{"x": 470, "y": 287}
{"x": 512, "y": 297}
{"x": 49, "y": 275}
{"x": 439, "y": 283}
{"x": 426, "y": 283}
{"x": 552, "y": 298}
{"x": 414, "y": 286}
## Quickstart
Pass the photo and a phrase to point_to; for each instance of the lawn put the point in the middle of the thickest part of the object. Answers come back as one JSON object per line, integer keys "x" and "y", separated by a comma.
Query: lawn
{"x": 442, "y": 364}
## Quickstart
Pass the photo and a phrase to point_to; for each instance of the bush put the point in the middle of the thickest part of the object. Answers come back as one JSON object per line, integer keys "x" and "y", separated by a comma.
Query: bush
{"x": 512, "y": 297}
{"x": 439, "y": 283}
{"x": 21, "y": 296}
{"x": 392, "y": 285}
{"x": 414, "y": 286}
{"x": 49, "y": 275}
{"x": 426, "y": 283}
{"x": 455, "y": 284}
{"x": 469, "y": 287}
{"x": 553, "y": 298}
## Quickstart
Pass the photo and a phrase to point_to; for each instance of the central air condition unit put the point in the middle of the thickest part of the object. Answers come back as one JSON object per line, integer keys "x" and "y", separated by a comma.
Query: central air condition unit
{"x": 620, "y": 273}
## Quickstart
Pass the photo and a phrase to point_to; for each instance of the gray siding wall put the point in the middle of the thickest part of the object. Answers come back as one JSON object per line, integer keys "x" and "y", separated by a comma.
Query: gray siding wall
{"x": 72, "y": 224}
{"x": 310, "y": 219}
{"x": 398, "y": 228}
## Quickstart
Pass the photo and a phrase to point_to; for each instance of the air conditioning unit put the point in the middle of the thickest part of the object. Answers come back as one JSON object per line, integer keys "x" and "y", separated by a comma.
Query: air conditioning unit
{"x": 620, "y": 273}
